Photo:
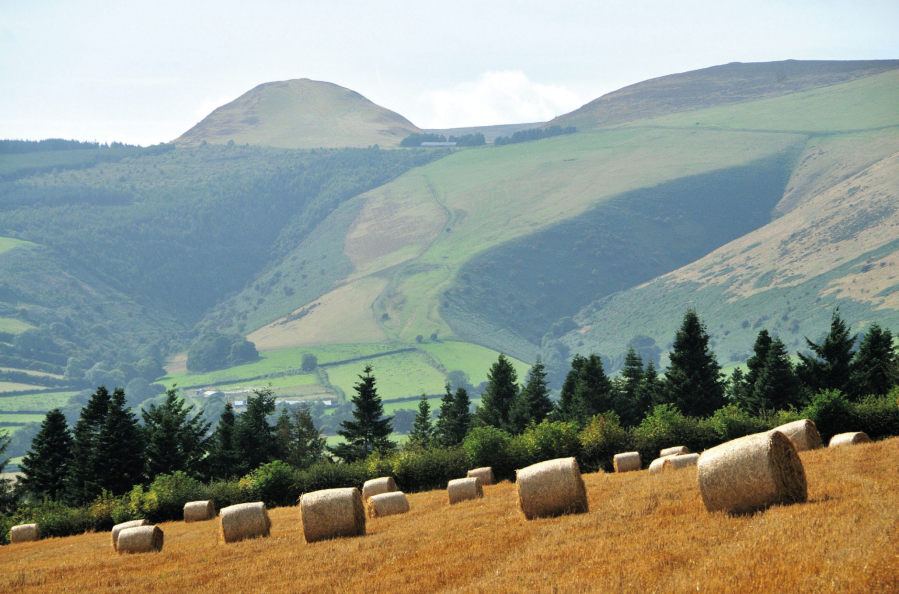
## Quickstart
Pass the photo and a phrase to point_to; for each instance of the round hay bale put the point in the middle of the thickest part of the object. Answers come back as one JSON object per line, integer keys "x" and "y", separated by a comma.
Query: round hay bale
{"x": 803, "y": 434}
{"x": 24, "y": 533}
{"x": 677, "y": 462}
{"x": 140, "y": 539}
{"x": 844, "y": 439}
{"x": 485, "y": 475}
{"x": 387, "y": 504}
{"x": 385, "y": 484}
{"x": 551, "y": 488}
{"x": 752, "y": 473}
{"x": 656, "y": 465}
{"x": 245, "y": 520}
{"x": 674, "y": 451}
{"x": 198, "y": 511}
{"x": 119, "y": 527}
{"x": 627, "y": 462}
{"x": 464, "y": 489}
{"x": 332, "y": 513}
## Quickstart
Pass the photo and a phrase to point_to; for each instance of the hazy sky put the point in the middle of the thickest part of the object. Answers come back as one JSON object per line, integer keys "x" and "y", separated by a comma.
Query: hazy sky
{"x": 144, "y": 72}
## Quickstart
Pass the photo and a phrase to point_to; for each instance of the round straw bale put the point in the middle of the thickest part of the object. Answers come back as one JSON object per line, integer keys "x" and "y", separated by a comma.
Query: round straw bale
{"x": 678, "y": 462}
{"x": 140, "y": 539}
{"x": 332, "y": 513}
{"x": 464, "y": 489}
{"x": 385, "y": 484}
{"x": 751, "y": 473}
{"x": 24, "y": 533}
{"x": 387, "y": 504}
{"x": 627, "y": 462}
{"x": 245, "y": 520}
{"x": 485, "y": 475}
{"x": 198, "y": 511}
{"x": 119, "y": 527}
{"x": 803, "y": 434}
{"x": 844, "y": 439}
{"x": 551, "y": 488}
{"x": 674, "y": 451}
{"x": 656, "y": 465}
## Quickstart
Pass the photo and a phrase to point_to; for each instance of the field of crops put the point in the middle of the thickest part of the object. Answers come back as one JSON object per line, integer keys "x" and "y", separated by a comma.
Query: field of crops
{"x": 642, "y": 534}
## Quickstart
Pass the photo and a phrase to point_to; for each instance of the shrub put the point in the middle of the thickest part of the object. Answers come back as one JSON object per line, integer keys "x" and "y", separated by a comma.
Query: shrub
{"x": 667, "y": 427}
{"x": 489, "y": 446}
{"x": 274, "y": 484}
{"x": 731, "y": 422}
{"x": 328, "y": 475}
{"x": 829, "y": 410}
{"x": 171, "y": 492}
{"x": 546, "y": 441}
{"x": 429, "y": 469}
{"x": 877, "y": 416}
{"x": 601, "y": 439}
{"x": 225, "y": 493}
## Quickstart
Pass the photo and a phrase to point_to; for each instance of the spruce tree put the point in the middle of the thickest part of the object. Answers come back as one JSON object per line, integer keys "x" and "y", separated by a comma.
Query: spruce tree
{"x": 651, "y": 391}
{"x": 830, "y": 366}
{"x": 254, "y": 437}
{"x": 223, "y": 460}
{"x": 422, "y": 433}
{"x": 85, "y": 467}
{"x": 693, "y": 380}
{"x": 120, "y": 447}
{"x": 7, "y": 495}
{"x": 501, "y": 391}
{"x": 564, "y": 409}
{"x": 777, "y": 386}
{"x": 593, "y": 394}
{"x": 300, "y": 444}
{"x": 738, "y": 390}
{"x": 756, "y": 362}
{"x": 371, "y": 429}
{"x": 533, "y": 403}
{"x": 875, "y": 368}
{"x": 461, "y": 414}
{"x": 454, "y": 417}
{"x": 175, "y": 439}
{"x": 629, "y": 405}
{"x": 45, "y": 467}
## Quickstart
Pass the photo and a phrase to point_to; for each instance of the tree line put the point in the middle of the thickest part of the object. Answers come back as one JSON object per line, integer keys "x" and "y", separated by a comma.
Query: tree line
{"x": 534, "y": 134}
{"x": 415, "y": 139}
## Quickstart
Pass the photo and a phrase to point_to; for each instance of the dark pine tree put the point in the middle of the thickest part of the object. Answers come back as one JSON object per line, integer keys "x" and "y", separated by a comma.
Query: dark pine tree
{"x": 7, "y": 495}
{"x": 300, "y": 444}
{"x": 693, "y": 380}
{"x": 629, "y": 403}
{"x": 777, "y": 387}
{"x": 533, "y": 403}
{"x": 830, "y": 366}
{"x": 738, "y": 390}
{"x": 120, "y": 447}
{"x": 564, "y": 409}
{"x": 651, "y": 392}
{"x": 223, "y": 460}
{"x": 875, "y": 369}
{"x": 501, "y": 391}
{"x": 46, "y": 465}
{"x": 454, "y": 418}
{"x": 422, "y": 433}
{"x": 83, "y": 485}
{"x": 593, "y": 394}
{"x": 756, "y": 362}
{"x": 371, "y": 429}
{"x": 175, "y": 439}
{"x": 254, "y": 438}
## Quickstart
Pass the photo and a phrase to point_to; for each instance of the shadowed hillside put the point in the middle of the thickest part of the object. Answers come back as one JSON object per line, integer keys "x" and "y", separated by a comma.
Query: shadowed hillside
{"x": 301, "y": 113}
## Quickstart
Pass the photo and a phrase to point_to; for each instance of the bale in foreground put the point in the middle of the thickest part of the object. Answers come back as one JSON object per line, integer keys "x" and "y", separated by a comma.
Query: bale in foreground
{"x": 117, "y": 529}
{"x": 376, "y": 486}
{"x": 844, "y": 439}
{"x": 551, "y": 488}
{"x": 752, "y": 473}
{"x": 140, "y": 539}
{"x": 658, "y": 464}
{"x": 198, "y": 511}
{"x": 245, "y": 520}
{"x": 673, "y": 463}
{"x": 803, "y": 434}
{"x": 387, "y": 504}
{"x": 24, "y": 533}
{"x": 627, "y": 462}
{"x": 485, "y": 475}
{"x": 332, "y": 513}
{"x": 464, "y": 489}
{"x": 674, "y": 451}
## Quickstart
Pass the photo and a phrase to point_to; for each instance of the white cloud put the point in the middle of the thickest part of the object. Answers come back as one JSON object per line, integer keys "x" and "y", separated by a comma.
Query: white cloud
{"x": 506, "y": 97}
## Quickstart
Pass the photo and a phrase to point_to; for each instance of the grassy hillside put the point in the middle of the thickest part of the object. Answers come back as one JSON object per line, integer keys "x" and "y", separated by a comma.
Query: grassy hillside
{"x": 718, "y": 85}
{"x": 301, "y": 113}
{"x": 642, "y": 534}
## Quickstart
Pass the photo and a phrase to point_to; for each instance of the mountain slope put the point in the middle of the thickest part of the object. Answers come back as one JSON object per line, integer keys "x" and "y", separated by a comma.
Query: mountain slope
{"x": 301, "y": 113}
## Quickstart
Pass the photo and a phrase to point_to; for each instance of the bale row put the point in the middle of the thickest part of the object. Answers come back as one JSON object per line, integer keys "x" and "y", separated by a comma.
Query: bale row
{"x": 117, "y": 529}
{"x": 551, "y": 488}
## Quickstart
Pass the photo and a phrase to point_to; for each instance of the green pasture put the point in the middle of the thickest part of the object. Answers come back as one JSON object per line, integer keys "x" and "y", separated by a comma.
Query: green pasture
{"x": 15, "y": 387}
{"x": 867, "y": 103}
{"x": 6, "y": 244}
{"x": 22, "y": 418}
{"x": 473, "y": 359}
{"x": 391, "y": 407}
{"x": 43, "y": 401}
{"x": 398, "y": 376}
{"x": 33, "y": 372}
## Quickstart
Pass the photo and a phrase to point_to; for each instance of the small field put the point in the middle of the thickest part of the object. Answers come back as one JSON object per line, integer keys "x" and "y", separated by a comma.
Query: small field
{"x": 12, "y": 325}
{"x": 43, "y": 401}
{"x": 398, "y": 376}
{"x": 643, "y": 534}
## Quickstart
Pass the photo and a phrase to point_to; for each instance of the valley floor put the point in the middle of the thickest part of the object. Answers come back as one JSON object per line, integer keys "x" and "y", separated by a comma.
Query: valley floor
{"x": 643, "y": 534}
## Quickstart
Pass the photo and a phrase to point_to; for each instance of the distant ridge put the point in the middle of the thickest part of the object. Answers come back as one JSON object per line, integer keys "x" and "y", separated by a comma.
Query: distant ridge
{"x": 718, "y": 85}
{"x": 301, "y": 113}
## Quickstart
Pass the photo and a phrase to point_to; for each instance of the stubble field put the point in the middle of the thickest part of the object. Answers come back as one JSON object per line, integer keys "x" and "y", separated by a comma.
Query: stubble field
{"x": 643, "y": 534}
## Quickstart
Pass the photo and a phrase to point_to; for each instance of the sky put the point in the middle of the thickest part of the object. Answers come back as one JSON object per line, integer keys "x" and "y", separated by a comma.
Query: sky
{"x": 145, "y": 72}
